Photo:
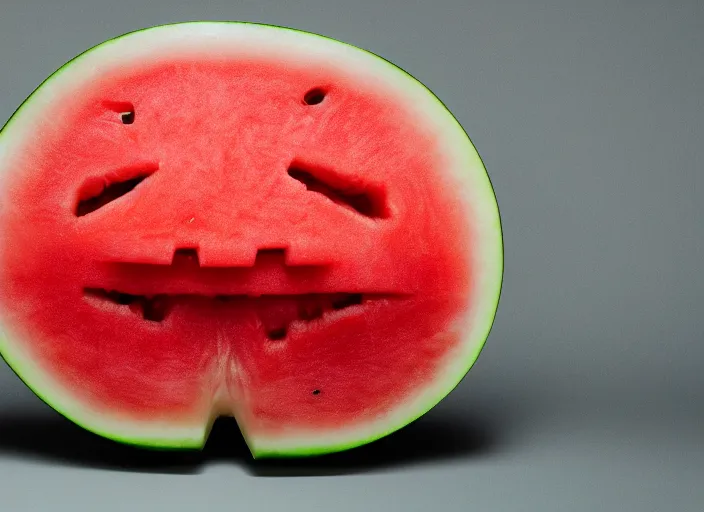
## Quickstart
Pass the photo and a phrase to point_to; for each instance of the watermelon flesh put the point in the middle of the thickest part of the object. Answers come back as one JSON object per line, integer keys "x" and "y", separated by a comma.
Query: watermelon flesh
{"x": 213, "y": 219}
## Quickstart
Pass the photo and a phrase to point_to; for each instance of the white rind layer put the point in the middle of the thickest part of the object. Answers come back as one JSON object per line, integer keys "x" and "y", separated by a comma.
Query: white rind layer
{"x": 238, "y": 40}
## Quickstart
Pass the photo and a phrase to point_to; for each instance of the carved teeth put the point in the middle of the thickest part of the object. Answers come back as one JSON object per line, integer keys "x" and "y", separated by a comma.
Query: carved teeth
{"x": 276, "y": 312}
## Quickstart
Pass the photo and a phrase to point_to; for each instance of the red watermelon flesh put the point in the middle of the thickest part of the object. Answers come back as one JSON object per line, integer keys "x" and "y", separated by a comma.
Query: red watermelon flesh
{"x": 224, "y": 228}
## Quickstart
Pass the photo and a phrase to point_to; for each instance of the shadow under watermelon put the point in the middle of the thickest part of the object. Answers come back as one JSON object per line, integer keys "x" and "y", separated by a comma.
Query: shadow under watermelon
{"x": 49, "y": 438}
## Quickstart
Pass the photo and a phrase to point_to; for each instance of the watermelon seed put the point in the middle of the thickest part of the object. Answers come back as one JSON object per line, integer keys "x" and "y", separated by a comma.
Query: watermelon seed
{"x": 316, "y": 391}
{"x": 127, "y": 117}
{"x": 314, "y": 96}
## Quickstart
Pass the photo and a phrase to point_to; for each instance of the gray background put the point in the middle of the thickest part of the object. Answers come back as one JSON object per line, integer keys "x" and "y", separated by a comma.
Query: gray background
{"x": 589, "y": 394}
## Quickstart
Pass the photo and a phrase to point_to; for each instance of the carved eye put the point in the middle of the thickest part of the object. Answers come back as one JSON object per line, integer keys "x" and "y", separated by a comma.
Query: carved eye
{"x": 366, "y": 199}
{"x": 98, "y": 192}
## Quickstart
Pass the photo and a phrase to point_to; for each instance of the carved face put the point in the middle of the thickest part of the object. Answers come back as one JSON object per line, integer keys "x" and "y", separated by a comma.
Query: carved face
{"x": 190, "y": 237}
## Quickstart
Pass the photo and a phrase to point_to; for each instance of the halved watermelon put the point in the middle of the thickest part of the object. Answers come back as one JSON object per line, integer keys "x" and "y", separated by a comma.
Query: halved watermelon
{"x": 210, "y": 219}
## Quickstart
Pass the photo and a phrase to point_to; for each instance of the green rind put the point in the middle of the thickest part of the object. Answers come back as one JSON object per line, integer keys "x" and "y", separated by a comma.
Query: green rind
{"x": 143, "y": 442}
{"x": 297, "y": 451}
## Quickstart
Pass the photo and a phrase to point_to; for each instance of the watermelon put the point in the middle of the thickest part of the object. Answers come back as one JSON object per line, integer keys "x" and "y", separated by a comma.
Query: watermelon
{"x": 231, "y": 219}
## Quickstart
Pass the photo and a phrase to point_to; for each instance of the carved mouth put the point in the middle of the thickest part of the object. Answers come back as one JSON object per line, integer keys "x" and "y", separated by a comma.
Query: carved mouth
{"x": 275, "y": 312}
{"x": 185, "y": 283}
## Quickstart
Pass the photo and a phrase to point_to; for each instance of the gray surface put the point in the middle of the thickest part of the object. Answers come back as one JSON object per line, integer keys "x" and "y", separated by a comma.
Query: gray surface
{"x": 589, "y": 395}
